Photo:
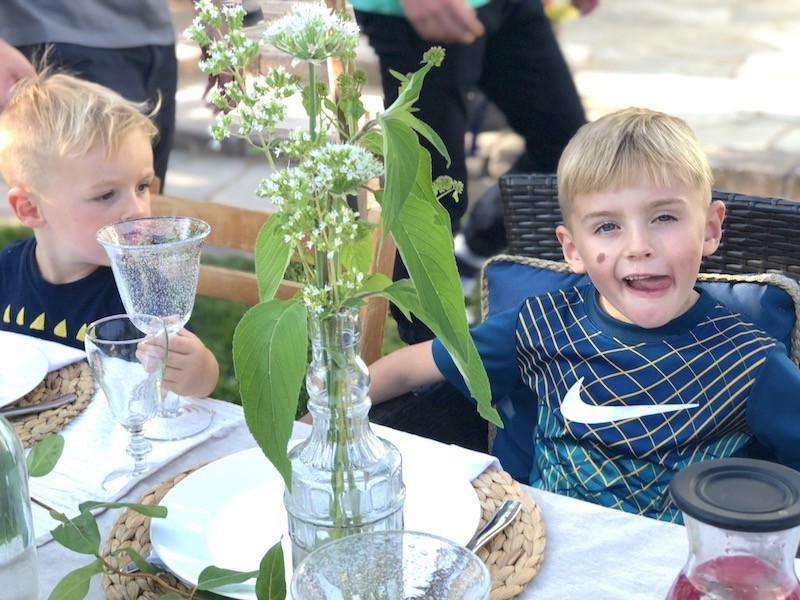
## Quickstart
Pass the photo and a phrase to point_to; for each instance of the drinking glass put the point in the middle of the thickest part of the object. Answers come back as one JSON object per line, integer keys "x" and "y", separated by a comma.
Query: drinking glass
{"x": 127, "y": 355}
{"x": 156, "y": 263}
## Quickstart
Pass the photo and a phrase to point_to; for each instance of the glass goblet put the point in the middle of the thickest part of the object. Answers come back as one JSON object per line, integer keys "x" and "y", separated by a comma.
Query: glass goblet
{"x": 156, "y": 263}
{"x": 128, "y": 364}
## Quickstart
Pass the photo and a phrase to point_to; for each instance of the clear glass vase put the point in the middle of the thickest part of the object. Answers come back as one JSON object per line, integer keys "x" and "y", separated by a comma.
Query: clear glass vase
{"x": 345, "y": 479}
{"x": 19, "y": 578}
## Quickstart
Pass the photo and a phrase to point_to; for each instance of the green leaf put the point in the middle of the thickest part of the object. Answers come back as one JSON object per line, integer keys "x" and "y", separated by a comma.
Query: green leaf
{"x": 358, "y": 255}
{"x": 214, "y": 577}
{"x": 270, "y": 350}
{"x": 148, "y": 510}
{"x": 79, "y": 534}
{"x": 169, "y": 596}
{"x": 374, "y": 283}
{"x": 403, "y": 294}
{"x": 401, "y": 150}
{"x": 423, "y": 238}
{"x": 373, "y": 141}
{"x": 271, "y": 581}
{"x": 138, "y": 559}
{"x": 58, "y": 516}
{"x": 75, "y": 585}
{"x": 410, "y": 87}
{"x": 427, "y": 132}
{"x": 272, "y": 256}
{"x": 43, "y": 456}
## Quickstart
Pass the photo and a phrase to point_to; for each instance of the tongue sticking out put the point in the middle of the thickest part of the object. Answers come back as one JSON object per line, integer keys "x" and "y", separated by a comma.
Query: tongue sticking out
{"x": 648, "y": 284}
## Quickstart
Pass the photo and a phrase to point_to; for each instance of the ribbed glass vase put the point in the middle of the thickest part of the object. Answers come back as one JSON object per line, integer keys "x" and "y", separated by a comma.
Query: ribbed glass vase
{"x": 345, "y": 479}
{"x": 19, "y": 579}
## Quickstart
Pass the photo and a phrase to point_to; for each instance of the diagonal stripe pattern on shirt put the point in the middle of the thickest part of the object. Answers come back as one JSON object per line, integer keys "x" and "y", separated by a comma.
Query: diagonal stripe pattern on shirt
{"x": 628, "y": 463}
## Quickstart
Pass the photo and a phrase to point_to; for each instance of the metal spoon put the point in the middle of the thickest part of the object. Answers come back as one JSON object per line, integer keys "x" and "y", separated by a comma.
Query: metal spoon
{"x": 500, "y": 520}
{"x": 41, "y": 406}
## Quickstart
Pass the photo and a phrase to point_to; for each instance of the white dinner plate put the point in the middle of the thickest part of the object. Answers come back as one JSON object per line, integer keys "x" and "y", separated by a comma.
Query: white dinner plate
{"x": 230, "y": 512}
{"x": 22, "y": 367}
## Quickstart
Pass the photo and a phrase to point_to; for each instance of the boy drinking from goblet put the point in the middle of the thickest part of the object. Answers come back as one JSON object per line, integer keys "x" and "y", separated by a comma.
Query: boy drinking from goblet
{"x": 76, "y": 157}
{"x": 689, "y": 379}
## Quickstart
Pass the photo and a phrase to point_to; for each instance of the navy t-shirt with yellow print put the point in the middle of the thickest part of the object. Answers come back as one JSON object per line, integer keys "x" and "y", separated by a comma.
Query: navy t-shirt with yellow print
{"x": 60, "y": 313}
{"x": 563, "y": 344}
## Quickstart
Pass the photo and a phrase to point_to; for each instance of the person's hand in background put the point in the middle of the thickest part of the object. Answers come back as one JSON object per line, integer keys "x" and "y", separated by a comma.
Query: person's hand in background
{"x": 446, "y": 21}
{"x": 585, "y": 6}
{"x": 13, "y": 67}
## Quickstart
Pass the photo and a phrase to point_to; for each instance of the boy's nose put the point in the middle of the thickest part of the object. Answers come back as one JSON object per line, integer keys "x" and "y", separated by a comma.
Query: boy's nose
{"x": 638, "y": 244}
{"x": 138, "y": 206}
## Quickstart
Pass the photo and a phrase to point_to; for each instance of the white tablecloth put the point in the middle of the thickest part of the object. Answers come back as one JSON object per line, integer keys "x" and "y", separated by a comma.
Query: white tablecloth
{"x": 591, "y": 552}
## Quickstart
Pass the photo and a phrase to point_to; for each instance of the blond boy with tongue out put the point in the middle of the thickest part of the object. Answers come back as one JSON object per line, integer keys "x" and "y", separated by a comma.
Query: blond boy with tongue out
{"x": 637, "y": 373}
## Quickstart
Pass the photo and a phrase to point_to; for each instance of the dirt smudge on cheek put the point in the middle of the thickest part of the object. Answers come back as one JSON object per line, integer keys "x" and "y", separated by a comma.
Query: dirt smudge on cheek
{"x": 601, "y": 258}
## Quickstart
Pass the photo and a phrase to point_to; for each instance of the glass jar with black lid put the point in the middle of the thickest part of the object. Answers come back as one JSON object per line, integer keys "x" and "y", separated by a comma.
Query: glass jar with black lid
{"x": 742, "y": 518}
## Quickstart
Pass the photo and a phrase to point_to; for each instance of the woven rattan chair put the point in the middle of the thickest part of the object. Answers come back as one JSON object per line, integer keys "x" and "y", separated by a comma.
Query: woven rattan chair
{"x": 759, "y": 233}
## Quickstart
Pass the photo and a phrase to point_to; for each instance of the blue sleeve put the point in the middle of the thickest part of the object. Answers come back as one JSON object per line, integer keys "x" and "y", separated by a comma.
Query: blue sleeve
{"x": 495, "y": 340}
{"x": 773, "y": 411}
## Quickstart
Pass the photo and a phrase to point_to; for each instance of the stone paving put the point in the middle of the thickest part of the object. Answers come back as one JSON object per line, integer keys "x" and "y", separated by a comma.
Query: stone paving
{"x": 731, "y": 68}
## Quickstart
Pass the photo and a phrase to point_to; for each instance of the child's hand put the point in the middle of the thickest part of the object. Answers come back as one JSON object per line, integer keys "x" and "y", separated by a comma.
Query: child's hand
{"x": 192, "y": 369}
{"x": 151, "y": 353}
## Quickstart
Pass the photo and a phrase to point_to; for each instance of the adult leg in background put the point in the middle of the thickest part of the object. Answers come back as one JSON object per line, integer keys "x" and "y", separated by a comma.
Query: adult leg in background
{"x": 527, "y": 78}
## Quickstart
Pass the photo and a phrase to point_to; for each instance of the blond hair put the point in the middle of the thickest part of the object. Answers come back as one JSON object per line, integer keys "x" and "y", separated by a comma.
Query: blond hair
{"x": 52, "y": 116}
{"x": 628, "y": 147}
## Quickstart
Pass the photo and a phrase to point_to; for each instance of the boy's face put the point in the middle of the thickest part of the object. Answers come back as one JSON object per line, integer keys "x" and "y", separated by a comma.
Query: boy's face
{"x": 85, "y": 194}
{"x": 642, "y": 246}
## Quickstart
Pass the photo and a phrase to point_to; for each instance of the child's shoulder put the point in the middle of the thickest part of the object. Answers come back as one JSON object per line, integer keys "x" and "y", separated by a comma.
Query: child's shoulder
{"x": 12, "y": 254}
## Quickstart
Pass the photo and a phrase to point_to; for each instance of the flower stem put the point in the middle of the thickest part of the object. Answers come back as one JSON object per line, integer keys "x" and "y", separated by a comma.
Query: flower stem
{"x": 312, "y": 101}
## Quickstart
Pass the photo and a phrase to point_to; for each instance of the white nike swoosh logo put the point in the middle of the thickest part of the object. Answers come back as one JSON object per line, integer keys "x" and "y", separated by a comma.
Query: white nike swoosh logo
{"x": 575, "y": 409}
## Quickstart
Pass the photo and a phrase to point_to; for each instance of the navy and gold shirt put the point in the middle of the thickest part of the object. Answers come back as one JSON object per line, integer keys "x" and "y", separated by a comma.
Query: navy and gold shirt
{"x": 722, "y": 370}
{"x": 60, "y": 313}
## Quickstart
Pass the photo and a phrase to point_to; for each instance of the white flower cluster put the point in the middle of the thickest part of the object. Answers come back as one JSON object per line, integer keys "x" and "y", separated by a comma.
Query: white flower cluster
{"x": 310, "y": 32}
{"x": 234, "y": 49}
{"x": 317, "y": 300}
{"x": 315, "y": 219}
{"x": 334, "y": 169}
{"x": 296, "y": 145}
{"x": 341, "y": 169}
{"x": 333, "y": 229}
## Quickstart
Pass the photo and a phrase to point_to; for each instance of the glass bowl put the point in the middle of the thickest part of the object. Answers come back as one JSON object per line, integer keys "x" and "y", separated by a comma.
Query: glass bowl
{"x": 400, "y": 565}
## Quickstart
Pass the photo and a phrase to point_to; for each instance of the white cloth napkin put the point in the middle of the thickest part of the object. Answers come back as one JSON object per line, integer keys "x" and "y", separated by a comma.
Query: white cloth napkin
{"x": 94, "y": 446}
{"x": 58, "y": 355}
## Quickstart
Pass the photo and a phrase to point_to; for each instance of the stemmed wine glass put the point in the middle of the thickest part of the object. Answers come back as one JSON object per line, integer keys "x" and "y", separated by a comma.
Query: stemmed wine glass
{"x": 129, "y": 364}
{"x": 156, "y": 263}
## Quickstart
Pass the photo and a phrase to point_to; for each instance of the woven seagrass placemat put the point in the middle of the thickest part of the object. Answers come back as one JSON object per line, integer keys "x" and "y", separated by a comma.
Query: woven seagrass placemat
{"x": 75, "y": 378}
{"x": 513, "y": 557}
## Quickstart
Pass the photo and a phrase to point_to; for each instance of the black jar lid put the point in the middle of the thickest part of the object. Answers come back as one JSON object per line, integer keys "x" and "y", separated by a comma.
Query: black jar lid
{"x": 739, "y": 494}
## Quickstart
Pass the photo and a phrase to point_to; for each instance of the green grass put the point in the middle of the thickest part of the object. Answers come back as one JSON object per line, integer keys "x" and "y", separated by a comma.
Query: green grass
{"x": 12, "y": 232}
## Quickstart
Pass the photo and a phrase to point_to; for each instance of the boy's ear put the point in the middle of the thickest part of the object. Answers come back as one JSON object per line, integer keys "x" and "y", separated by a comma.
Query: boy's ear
{"x": 24, "y": 206}
{"x": 713, "y": 234}
{"x": 569, "y": 249}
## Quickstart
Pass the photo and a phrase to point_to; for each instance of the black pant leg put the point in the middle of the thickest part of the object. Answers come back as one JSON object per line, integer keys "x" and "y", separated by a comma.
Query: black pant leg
{"x": 527, "y": 77}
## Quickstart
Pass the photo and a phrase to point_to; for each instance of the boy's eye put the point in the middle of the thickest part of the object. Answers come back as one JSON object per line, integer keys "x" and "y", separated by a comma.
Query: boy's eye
{"x": 605, "y": 228}
{"x": 142, "y": 187}
{"x": 106, "y": 197}
{"x": 665, "y": 218}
